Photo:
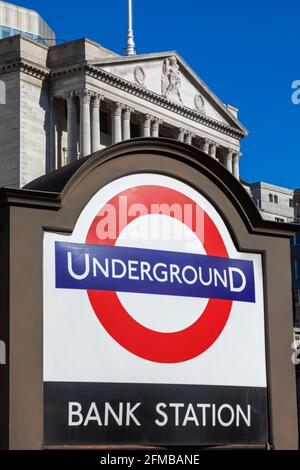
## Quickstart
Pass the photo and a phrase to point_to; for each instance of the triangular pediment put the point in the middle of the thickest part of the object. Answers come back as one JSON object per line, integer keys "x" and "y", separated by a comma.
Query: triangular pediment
{"x": 168, "y": 75}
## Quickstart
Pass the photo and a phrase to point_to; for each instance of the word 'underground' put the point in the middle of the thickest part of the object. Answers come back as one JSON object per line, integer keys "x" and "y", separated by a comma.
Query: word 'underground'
{"x": 123, "y": 269}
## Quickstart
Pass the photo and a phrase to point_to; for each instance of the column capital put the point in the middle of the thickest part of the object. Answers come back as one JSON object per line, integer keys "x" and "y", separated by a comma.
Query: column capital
{"x": 191, "y": 134}
{"x": 147, "y": 120}
{"x": 181, "y": 134}
{"x": 117, "y": 108}
{"x": 69, "y": 96}
{"x": 84, "y": 95}
{"x": 206, "y": 144}
{"x": 236, "y": 155}
{"x": 155, "y": 126}
{"x": 96, "y": 99}
{"x": 156, "y": 121}
{"x": 214, "y": 144}
{"x": 127, "y": 111}
{"x": 230, "y": 152}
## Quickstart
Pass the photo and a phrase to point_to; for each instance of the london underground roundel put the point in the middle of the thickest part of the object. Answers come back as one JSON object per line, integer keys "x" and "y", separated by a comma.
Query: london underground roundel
{"x": 156, "y": 268}
{"x": 145, "y": 342}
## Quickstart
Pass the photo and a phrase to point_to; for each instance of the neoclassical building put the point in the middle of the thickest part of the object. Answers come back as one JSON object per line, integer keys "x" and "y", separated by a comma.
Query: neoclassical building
{"x": 66, "y": 101}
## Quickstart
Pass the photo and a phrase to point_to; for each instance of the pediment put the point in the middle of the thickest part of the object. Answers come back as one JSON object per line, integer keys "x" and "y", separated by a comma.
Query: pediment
{"x": 167, "y": 75}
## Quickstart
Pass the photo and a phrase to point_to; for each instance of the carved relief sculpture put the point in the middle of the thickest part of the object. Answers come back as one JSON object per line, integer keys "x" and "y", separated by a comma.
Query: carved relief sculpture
{"x": 199, "y": 103}
{"x": 170, "y": 79}
{"x": 139, "y": 76}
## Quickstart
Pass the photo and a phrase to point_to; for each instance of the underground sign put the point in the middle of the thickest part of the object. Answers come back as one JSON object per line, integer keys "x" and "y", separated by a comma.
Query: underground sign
{"x": 151, "y": 315}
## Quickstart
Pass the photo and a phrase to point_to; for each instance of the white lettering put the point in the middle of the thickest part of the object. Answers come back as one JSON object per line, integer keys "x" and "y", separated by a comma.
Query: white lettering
{"x": 231, "y": 283}
{"x": 145, "y": 268}
{"x": 130, "y": 415}
{"x": 96, "y": 264}
{"x": 163, "y": 272}
{"x": 79, "y": 277}
{"x": 239, "y": 412}
{"x": 190, "y": 415}
{"x": 174, "y": 271}
{"x": 194, "y": 272}
{"x": 132, "y": 269}
{"x": 204, "y": 407}
{"x": 108, "y": 410}
{"x": 121, "y": 263}
{"x": 93, "y": 415}
{"x": 162, "y": 413}
{"x": 75, "y": 411}
{"x": 205, "y": 283}
{"x": 176, "y": 406}
{"x": 217, "y": 276}
{"x": 221, "y": 421}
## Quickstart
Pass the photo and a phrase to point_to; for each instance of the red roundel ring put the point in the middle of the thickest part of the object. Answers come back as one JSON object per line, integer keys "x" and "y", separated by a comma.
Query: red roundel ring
{"x": 148, "y": 344}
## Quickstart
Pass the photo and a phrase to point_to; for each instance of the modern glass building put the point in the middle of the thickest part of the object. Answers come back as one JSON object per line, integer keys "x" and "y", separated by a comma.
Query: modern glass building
{"x": 16, "y": 20}
{"x": 5, "y": 32}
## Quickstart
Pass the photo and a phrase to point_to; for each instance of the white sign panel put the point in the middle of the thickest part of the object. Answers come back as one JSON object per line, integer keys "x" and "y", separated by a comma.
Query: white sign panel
{"x": 153, "y": 323}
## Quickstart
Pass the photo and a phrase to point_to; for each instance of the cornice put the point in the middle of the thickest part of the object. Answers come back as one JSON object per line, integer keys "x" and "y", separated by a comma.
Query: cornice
{"x": 25, "y": 66}
{"x": 132, "y": 88}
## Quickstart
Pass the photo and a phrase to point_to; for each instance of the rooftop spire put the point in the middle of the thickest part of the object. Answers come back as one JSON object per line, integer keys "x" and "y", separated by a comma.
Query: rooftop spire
{"x": 130, "y": 45}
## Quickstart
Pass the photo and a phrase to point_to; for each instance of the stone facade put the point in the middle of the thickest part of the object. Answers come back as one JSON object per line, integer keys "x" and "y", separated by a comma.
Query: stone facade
{"x": 274, "y": 202}
{"x": 10, "y": 131}
{"x": 78, "y": 97}
{"x": 280, "y": 204}
{"x": 24, "y": 117}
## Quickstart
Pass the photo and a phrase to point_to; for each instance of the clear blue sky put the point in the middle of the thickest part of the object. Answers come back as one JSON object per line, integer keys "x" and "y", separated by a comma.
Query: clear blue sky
{"x": 248, "y": 52}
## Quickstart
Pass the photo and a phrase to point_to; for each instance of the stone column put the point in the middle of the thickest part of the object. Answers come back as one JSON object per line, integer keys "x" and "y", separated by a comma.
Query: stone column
{"x": 126, "y": 122}
{"x": 85, "y": 123}
{"x": 228, "y": 160}
{"x": 116, "y": 122}
{"x": 236, "y": 165}
{"x": 213, "y": 150}
{"x": 52, "y": 161}
{"x": 206, "y": 146}
{"x": 71, "y": 127}
{"x": 188, "y": 138}
{"x": 147, "y": 125}
{"x": 95, "y": 104}
{"x": 181, "y": 134}
{"x": 155, "y": 127}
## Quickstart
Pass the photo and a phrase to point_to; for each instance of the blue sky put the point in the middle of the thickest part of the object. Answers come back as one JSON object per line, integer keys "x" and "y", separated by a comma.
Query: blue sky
{"x": 246, "y": 51}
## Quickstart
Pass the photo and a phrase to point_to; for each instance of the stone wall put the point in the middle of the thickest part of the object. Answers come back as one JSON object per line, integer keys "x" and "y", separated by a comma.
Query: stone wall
{"x": 34, "y": 128}
{"x": 10, "y": 130}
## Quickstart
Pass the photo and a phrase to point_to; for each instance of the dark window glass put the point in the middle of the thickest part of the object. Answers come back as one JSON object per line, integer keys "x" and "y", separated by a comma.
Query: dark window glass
{"x": 297, "y": 238}
{"x": 104, "y": 122}
{"x": 276, "y": 199}
{"x": 270, "y": 197}
{"x": 134, "y": 130}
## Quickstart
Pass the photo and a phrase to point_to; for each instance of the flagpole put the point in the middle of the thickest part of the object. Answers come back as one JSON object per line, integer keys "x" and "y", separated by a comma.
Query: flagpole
{"x": 130, "y": 45}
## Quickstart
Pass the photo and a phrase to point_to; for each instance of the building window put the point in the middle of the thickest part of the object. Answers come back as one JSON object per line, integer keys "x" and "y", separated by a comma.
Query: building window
{"x": 104, "y": 122}
{"x": 296, "y": 272}
{"x": 276, "y": 199}
{"x": 270, "y": 197}
{"x": 279, "y": 219}
{"x": 135, "y": 130}
{"x": 291, "y": 202}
